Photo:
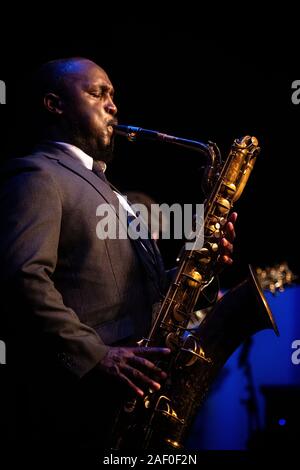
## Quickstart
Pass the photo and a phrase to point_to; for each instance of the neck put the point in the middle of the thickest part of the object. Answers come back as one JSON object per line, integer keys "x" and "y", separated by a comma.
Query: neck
{"x": 87, "y": 144}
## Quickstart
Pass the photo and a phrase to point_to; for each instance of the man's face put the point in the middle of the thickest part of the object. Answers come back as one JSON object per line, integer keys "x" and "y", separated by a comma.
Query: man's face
{"x": 89, "y": 111}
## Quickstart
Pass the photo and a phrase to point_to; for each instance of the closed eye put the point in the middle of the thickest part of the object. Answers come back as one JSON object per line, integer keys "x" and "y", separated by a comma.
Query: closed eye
{"x": 103, "y": 90}
{"x": 96, "y": 94}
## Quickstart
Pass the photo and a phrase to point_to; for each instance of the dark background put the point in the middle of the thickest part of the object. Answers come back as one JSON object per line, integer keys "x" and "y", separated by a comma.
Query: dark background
{"x": 175, "y": 76}
{"x": 181, "y": 81}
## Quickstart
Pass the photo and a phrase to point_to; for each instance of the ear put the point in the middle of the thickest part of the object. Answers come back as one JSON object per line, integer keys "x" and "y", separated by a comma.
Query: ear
{"x": 53, "y": 103}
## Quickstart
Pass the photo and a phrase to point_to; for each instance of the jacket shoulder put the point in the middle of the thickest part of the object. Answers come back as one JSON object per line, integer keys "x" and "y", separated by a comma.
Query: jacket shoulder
{"x": 37, "y": 162}
{"x": 34, "y": 160}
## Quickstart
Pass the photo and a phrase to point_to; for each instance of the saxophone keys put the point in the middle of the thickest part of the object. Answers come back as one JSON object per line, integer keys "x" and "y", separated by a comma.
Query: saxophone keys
{"x": 230, "y": 188}
{"x": 179, "y": 313}
{"x": 224, "y": 205}
{"x": 211, "y": 229}
{"x": 147, "y": 402}
{"x": 245, "y": 141}
{"x": 205, "y": 260}
{"x": 194, "y": 278}
{"x": 215, "y": 226}
{"x": 214, "y": 247}
{"x": 171, "y": 341}
{"x": 173, "y": 443}
{"x": 203, "y": 253}
{"x": 203, "y": 256}
{"x": 191, "y": 352}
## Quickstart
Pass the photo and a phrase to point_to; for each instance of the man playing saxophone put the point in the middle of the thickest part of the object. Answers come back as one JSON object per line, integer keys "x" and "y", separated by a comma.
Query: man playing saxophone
{"x": 73, "y": 304}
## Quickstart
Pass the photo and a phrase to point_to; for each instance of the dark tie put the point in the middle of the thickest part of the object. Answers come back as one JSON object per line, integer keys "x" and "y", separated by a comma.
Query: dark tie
{"x": 98, "y": 168}
{"x": 144, "y": 244}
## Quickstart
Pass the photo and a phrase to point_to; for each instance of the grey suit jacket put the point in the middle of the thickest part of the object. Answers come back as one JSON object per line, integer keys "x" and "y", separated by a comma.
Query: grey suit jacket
{"x": 63, "y": 289}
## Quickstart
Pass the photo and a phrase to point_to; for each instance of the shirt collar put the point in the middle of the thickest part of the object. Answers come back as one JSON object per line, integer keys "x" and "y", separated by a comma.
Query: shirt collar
{"x": 79, "y": 154}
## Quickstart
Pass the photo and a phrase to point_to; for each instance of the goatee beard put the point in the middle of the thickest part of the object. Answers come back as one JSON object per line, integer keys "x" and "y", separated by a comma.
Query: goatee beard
{"x": 95, "y": 148}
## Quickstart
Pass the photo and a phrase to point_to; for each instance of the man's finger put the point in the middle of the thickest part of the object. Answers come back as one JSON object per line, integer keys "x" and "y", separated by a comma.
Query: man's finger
{"x": 232, "y": 218}
{"x": 144, "y": 351}
{"x": 138, "y": 375}
{"x": 230, "y": 232}
{"x": 227, "y": 260}
{"x": 228, "y": 247}
{"x": 144, "y": 362}
{"x": 137, "y": 390}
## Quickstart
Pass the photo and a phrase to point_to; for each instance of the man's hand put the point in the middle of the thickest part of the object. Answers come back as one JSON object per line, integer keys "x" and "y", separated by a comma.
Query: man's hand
{"x": 227, "y": 241}
{"x": 131, "y": 366}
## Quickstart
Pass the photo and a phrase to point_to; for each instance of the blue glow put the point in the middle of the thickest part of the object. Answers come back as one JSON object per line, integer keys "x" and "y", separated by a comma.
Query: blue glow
{"x": 270, "y": 359}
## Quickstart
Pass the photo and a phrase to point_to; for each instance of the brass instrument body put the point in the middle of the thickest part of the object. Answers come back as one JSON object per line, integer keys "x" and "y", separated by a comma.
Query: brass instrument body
{"x": 161, "y": 420}
{"x": 239, "y": 314}
{"x": 196, "y": 267}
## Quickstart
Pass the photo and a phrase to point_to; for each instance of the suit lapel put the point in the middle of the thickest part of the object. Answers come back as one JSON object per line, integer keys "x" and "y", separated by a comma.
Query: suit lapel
{"x": 62, "y": 155}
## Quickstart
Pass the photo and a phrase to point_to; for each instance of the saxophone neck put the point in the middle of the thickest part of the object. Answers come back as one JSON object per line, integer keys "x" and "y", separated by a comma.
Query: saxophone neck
{"x": 139, "y": 133}
{"x": 210, "y": 151}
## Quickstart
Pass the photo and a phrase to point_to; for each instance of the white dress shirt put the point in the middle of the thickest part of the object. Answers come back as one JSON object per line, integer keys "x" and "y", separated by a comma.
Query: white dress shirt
{"x": 87, "y": 161}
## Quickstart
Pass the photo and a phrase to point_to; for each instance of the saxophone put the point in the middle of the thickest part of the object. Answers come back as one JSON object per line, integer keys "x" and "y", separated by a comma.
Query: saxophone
{"x": 161, "y": 419}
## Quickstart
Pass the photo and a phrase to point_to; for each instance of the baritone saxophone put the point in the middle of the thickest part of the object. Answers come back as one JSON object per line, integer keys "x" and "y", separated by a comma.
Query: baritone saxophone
{"x": 161, "y": 419}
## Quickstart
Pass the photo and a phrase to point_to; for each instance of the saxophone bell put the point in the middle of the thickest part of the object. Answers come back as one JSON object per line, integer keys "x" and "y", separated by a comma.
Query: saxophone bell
{"x": 239, "y": 314}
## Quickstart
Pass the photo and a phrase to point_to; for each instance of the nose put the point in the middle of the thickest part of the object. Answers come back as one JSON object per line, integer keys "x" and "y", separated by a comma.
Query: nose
{"x": 110, "y": 107}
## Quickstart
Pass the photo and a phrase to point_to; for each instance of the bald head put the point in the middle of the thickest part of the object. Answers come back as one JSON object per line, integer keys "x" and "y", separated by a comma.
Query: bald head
{"x": 74, "y": 99}
{"x": 55, "y": 76}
